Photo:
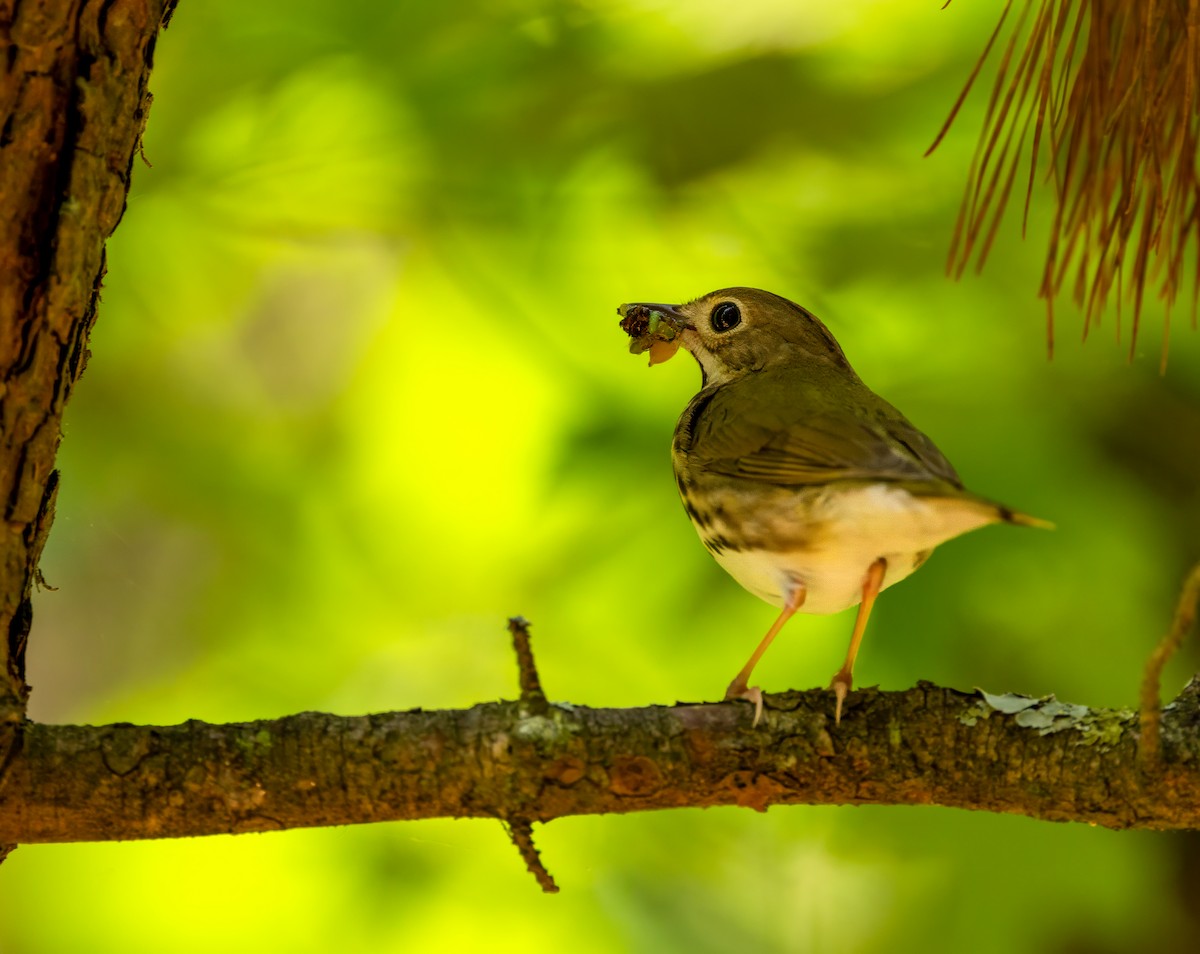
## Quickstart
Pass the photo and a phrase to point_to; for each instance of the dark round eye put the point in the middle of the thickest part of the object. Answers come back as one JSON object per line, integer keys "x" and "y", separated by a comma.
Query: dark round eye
{"x": 725, "y": 316}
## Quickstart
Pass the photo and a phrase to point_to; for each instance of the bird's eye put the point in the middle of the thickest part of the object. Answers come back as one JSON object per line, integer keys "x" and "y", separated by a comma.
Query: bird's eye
{"x": 725, "y": 316}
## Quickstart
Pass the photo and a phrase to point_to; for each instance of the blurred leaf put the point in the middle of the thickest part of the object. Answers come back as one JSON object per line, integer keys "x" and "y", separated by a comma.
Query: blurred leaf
{"x": 357, "y": 393}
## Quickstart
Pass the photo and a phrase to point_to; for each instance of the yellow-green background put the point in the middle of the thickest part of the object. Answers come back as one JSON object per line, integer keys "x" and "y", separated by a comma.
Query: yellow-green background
{"x": 357, "y": 393}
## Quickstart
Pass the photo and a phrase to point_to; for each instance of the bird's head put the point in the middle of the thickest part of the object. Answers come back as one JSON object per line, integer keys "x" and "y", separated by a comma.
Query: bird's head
{"x": 733, "y": 332}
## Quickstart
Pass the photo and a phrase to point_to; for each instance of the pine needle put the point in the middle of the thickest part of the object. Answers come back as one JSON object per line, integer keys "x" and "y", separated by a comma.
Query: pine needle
{"x": 1109, "y": 88}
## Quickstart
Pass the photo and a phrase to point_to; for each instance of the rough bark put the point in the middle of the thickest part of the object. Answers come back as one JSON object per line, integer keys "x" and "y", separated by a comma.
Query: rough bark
{"x": 926, "y": 746}
{"x": 73, "y": 103}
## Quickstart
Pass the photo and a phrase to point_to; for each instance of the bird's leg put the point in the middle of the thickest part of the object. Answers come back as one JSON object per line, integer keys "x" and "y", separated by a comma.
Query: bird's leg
{"x": 739, "y": 688}
{"x": 843, "y": 678}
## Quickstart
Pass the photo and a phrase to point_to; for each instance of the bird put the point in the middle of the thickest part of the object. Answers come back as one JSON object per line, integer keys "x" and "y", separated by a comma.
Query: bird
{"x": 810, "y": 490}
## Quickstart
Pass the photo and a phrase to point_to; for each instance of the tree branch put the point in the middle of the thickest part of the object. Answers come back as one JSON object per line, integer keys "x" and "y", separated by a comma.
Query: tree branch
{"x": 926, "y": 746}
{"x": 1151, "y": 706}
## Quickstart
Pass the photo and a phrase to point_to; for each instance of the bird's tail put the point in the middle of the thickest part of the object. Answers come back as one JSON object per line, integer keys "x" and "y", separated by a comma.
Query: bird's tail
{"x": 1022, "y": 519}
{"x": 1002, "y": 514}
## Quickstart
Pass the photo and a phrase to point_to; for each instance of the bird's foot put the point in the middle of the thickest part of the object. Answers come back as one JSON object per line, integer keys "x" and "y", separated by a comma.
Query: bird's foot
{"x": 841, "y": 685}
{"x": 739, "y": 690}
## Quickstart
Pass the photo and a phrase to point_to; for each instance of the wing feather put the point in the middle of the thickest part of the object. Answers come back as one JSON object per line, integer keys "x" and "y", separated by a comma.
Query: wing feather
{"x": 779, "y": 428}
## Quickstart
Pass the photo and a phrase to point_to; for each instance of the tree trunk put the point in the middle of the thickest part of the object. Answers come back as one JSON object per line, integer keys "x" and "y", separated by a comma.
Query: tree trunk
{"x": 73, "y": 102}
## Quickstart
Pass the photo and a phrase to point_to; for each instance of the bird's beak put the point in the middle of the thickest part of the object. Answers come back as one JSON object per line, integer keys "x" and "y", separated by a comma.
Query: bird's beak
{"x": 652, "y": 327}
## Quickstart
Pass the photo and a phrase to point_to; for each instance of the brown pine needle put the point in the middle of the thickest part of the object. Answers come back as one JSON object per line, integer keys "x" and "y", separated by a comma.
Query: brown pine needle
{"x": 1110, "y": 90}
{"x": 970, "y": 80}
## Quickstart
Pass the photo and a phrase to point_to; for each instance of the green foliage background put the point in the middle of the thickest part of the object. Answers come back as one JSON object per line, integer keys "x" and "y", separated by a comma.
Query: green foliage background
{"x": 357, "y": 393}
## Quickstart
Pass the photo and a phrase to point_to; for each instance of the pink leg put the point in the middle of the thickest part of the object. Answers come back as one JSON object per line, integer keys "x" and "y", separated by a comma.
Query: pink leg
{"x": 842, "y": 679}
{"x": 739, "y": 688}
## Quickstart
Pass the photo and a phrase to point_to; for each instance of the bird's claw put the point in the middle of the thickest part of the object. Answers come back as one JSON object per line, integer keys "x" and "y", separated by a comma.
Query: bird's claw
{"x": 753, "y": 694}
{"x": 841, "y": 685}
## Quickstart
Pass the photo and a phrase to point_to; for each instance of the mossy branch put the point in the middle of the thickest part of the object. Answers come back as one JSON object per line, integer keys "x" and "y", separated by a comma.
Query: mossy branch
{"x": 925, "y": 746}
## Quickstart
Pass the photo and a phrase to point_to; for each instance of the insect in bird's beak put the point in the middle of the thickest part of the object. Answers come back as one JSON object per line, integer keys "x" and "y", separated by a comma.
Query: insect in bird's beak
{"x": 653, "y": 328}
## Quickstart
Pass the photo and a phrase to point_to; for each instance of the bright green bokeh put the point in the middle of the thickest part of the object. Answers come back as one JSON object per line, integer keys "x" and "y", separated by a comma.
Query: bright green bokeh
{"x": 357, "y": 394}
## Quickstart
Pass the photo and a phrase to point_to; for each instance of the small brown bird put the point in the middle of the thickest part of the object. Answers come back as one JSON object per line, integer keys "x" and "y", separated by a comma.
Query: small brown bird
{"x": 813, "y": 492}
